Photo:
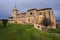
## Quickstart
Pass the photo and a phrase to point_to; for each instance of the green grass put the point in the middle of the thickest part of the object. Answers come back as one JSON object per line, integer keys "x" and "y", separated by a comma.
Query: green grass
{"x": 25, "y": 32}
{"x": 57, "y": 31}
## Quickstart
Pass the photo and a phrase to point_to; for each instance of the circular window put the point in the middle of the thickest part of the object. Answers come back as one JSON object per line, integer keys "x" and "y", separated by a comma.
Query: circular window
{"x": 38, "y": 26}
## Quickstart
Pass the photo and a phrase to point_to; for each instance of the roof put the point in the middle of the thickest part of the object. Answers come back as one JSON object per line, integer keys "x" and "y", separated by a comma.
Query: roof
{"x": 32, "y": 9}
{"x": 10, "y": 17}
{"x": 18, "y": 14}
{"x": 23, "y": 13}
{"x": 57, "y": 22}
{"x": 15, "y": 9}
{"x": 40, "y": 9}
{"x": 46, "y": 9}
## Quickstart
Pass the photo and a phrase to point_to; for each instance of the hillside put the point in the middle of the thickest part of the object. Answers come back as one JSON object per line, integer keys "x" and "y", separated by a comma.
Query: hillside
{"x": 25, "y": 32}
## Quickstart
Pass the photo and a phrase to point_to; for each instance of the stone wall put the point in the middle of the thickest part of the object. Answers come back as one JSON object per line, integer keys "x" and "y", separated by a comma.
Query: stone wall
{"x": 34, "y": 16}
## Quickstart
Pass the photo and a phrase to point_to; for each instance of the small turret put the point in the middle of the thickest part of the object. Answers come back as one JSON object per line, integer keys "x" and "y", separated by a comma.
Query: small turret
{"x": 14, "y": 14}
{"x": 15, "y": 9}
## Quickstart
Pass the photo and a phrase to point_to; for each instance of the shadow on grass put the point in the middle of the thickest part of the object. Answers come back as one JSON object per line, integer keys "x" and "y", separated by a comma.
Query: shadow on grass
{"x": 2, "y": 27}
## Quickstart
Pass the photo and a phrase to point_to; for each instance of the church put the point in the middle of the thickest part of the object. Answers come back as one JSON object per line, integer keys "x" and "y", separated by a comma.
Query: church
{"x": 33, "y": 16}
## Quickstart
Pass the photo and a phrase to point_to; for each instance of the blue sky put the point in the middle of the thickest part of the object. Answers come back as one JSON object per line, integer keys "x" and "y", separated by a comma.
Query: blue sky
{"x": 6, "y": 6}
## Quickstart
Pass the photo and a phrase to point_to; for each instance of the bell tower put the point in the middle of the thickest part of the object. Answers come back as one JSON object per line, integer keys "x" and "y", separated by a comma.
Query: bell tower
{"x": 14, "y": 14}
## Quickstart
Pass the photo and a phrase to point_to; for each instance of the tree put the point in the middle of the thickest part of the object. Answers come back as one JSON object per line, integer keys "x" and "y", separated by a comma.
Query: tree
{"x": 4, "y": 21}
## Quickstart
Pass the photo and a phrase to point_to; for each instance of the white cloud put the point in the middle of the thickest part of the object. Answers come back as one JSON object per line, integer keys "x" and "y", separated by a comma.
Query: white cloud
{"x": 57, "y": 13}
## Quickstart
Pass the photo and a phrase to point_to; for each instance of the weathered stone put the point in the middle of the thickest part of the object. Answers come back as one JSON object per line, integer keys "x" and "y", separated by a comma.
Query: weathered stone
{"x": 33, "y": 16}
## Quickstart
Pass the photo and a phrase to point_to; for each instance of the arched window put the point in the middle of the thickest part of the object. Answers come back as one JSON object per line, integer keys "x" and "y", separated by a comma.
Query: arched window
{"x": 31, "y": 13}
{"x": 40, "y": 13}
{"x": 29, "y": 20}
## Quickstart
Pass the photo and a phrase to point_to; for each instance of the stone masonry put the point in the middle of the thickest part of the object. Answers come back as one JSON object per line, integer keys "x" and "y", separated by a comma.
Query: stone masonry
{"x": 33, "y": 16}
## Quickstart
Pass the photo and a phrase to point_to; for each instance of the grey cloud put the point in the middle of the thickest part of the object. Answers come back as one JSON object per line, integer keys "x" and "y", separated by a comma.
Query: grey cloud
{"x": 23, "y": 5}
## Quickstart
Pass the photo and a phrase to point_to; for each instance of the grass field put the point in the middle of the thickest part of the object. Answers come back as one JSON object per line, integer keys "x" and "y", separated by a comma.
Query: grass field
{"x": 25, "y": 32}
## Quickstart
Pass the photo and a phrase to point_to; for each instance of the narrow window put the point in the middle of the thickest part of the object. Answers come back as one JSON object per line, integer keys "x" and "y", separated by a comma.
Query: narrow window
{"x": 49, "y": 13}
{"x": 29, "y": 20}
{"x": 32, "y": 21}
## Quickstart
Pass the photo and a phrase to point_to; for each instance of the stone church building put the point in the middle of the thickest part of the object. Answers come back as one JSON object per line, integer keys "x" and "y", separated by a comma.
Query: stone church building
{"x": 33, "y": 16}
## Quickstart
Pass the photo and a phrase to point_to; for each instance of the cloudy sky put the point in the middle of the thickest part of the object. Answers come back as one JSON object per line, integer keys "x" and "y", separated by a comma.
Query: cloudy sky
{"x": 6, "y": 6}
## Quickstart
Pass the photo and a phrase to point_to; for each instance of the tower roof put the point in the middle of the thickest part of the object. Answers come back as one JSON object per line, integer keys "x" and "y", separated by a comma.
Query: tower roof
{"x": 15, "y": 9}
